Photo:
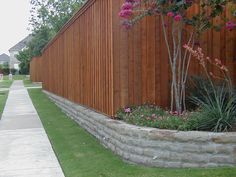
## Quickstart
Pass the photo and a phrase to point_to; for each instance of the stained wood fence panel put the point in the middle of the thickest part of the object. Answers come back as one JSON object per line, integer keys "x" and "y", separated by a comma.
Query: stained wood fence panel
{"x": 148, "y": 73}
{"x": 78, "y": 61}
{"x": 94, "y": 62}
{"x": 36, "y": 67}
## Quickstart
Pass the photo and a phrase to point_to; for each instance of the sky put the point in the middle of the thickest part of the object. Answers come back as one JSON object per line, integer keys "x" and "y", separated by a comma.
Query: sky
{"x": 14, "y": 21}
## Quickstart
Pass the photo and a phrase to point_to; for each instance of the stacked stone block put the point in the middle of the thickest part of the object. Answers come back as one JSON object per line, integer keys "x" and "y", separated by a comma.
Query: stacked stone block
{"x": 151, "y": 146}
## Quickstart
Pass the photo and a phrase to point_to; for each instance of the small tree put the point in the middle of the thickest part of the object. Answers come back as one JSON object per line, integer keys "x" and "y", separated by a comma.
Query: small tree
{"x": 174, "y": 15}
{"x": 24, "y": 57}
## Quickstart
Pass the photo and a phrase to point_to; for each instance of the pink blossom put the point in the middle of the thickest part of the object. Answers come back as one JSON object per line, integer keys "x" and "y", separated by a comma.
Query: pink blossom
{"x": 170, "y": 14}
{"x": 177, "y": 17}
{"x": 125, "y": 13}
{"x": 230, "y": 25}
{"x": 153, "y": 115}
{"x": 127, "y": 6}
{"x": 175, "y": 113}
{"x": 127, "y": 110}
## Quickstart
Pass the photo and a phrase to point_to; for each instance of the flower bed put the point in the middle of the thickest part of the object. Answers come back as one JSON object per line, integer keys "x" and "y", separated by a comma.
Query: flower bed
{"x": 151, "y": 146}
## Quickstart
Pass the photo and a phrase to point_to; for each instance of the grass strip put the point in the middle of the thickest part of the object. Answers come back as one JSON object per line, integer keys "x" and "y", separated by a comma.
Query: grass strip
{"x": 15, "y": 77}
{"x": 5, "y": 84}
{"x": 3, "y": 99}
{"x": 81, "y": 155}
{"x": 28, "y": 83}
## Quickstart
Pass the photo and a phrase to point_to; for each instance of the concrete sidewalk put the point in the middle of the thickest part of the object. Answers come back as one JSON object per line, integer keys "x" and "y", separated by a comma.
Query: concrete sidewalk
{"x": 25, "y": 150}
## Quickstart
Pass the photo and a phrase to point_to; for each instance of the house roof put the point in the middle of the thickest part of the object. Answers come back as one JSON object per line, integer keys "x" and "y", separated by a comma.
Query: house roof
{"x": 4, "y": 58}
{"x": 22, "y": 44}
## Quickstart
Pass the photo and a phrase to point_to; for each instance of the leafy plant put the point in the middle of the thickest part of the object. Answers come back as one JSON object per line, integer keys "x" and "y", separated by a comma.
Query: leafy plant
{"x": 151, "y": 116}
{"x": 144, "y": 115}
{"x": 217, "y": 112}
{"x": 173, "y": 123}
{"x": 217, "y": 103}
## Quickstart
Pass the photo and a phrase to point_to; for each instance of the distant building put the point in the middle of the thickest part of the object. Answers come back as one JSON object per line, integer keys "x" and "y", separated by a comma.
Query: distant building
{"x": 4, "y": 59}
{"x": 14, "y": 63}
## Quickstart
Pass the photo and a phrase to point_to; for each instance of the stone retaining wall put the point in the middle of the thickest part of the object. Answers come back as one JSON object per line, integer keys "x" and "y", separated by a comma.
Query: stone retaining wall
{"x": 151, "y": 146}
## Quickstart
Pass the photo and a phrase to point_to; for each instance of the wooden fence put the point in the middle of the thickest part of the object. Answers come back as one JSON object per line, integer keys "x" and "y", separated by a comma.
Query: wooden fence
{"x": 94, "y": 62}
{"x": 36, "y": 68}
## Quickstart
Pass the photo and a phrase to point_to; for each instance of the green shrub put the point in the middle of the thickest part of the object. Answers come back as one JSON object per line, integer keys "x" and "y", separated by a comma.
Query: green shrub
{"x": 144, "y": 115}
{"x": 173, "y": 123}
{"x": 151, "y": 116}
{"x": 217, "y": 112}
{"x": 195, "y": 88}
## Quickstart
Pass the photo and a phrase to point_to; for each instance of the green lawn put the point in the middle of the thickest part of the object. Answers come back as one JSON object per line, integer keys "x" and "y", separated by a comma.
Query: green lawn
{"x": 81, "y": 155}
{"x": 5, "y": 84}
{"x": 16, "y": 77}
{"x": 3, "y": 99}
{"x": 28, "y": 83}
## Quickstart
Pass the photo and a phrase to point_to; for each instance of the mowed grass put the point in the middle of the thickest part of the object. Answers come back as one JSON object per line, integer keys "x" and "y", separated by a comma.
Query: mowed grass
{"x": 3, "y": 99}
{"x": 81, "y": 155}
{"x": 4, "y": 84}
{"x": 4, "y": 87}
{"x": 15, "y": 77}
{"x": 28, "y": 83}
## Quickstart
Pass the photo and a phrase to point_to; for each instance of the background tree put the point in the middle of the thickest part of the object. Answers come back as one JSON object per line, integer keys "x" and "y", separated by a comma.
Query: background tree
{"x": 24, "y": 58}
{"x": 47, "y": 18}
{"x": 4, "y": 68}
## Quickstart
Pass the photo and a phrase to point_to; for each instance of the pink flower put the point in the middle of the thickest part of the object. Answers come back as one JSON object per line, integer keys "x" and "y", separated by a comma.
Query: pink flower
{"x": 177, "y": 17}
{"x": 153, "y": 115}
{"x": 230, "y": 25}
{"x": 170, "y": 14}
{"x": 125, "y": 13}
{"x": 127, "y": 110}
{"x": 127, "y": 6}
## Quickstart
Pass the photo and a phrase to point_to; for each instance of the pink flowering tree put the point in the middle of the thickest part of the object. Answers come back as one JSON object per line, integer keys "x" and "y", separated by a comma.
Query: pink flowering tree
{"x": 174, "y": 14}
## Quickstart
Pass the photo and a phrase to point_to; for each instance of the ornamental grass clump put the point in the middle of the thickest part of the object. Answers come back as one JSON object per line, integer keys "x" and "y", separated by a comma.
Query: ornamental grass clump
{"x": 217, "y": 103}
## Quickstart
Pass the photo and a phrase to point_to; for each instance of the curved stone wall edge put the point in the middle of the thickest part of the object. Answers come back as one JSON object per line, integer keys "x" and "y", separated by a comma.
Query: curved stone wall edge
{"x": 151, "y": 146}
